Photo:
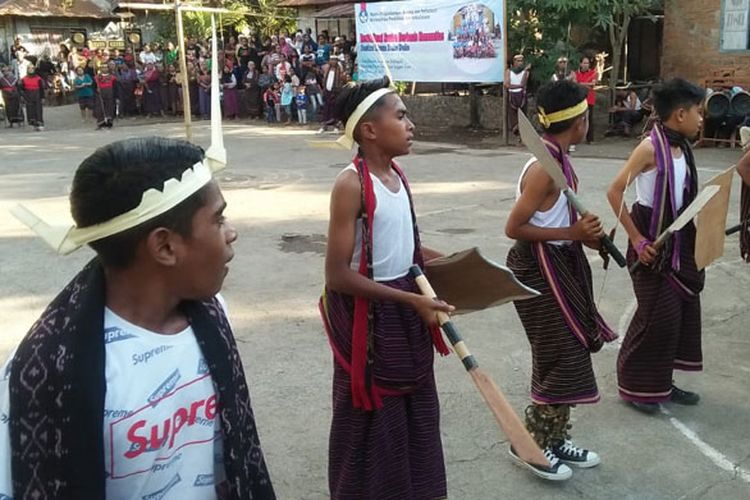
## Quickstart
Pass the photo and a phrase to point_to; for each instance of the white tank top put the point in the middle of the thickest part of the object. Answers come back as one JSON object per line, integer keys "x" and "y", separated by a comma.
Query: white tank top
{"x": 645, "y": 183}
{"x": 557, "y": 216}
{"x": 516, "y": 79}
{"x": 392, "y": 233}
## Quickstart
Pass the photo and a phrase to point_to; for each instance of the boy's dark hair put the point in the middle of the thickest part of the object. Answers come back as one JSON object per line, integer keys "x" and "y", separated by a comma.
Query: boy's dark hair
{"x": 351, "y": 96}
{"x": 557, "y": 96}
{"x": 112, "y": 181}
{"x": 674, "y": 94}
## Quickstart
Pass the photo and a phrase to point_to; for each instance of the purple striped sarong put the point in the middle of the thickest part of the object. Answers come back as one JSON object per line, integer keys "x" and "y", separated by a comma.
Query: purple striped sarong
{"x": 394, "y": 452}
{"x": 665, "y": 332}
{"x": 562, "y": 324}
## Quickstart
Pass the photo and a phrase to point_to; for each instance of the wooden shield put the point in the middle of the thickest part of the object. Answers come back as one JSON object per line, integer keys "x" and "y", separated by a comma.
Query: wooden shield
{"x": 470, "y": 282}
{"x": 711, "y": 221}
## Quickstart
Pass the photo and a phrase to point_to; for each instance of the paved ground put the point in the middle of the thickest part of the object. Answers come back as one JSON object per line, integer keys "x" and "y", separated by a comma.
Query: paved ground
{"x": 277, "y": 189}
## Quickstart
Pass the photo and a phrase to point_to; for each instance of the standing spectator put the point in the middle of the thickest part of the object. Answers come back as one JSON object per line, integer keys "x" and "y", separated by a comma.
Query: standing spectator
{"x": 126, "y": 84}
{"x": 204, "y": 91}
{"x": 307, "y": 41}
{"x": 282, "y": 69}
{"x": 245, "y": 53}
{"x": 11, "y": 97}
{"x": 588, "y": 77}
{"x": 307, "y": 60}
{"x": 287, "y": 96}
{"x": 252, "y": 91}
{"x": 298, "y": 42}
{"x": 332, "y": 81}
{"x": 285, "y": 47}
{"x": 152, "y": 105}
{"x": 158, "y": 53}
{"x": 147, "y": 56}
{"x": 128, "y": 57}
{"x": 562, "y": 70}
{"x": 271, "y": 98}
{"x": 173, "y": 89}
{"x": 516, "y": 78}
{"x": 166, "y": 106}
{"x": 32, "y": 89}
{"x": 20, "y": 63}
{"x": 193, "y": 88}
{"x": 301, "y": 101}
{"x": 104, "y": 107}
{"x": 170, "y": 56}
{"x": 229, "y": 86}
{"x": 84, "y": 87}
{"x": 322, "y": 55}
{"x": 266, "y": 79}
{"x": 313, "y": 92}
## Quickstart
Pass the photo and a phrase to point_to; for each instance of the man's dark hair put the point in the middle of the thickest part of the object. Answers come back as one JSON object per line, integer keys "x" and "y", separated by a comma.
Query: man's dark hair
{"x": 112, "y": 181}
{"x": 560, "y": 95}
{"x": 351, "y": 96}
{"x": 674, "y": 94}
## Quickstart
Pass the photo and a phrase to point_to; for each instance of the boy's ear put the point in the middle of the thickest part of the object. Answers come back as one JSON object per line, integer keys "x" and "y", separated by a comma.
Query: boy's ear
{"x": 161, "y": 245}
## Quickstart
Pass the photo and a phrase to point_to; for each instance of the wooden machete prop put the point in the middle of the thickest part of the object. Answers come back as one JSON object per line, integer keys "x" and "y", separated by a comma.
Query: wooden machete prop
{"x": 534, "y": 143}
{"x": 523, "y": 444}
{"x": 686, "y": 216}
{"x": 470, "y": 282}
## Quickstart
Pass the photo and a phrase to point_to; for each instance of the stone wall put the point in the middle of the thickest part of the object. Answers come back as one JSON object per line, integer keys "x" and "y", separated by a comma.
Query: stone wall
{"x": 453, "y": 111}
{"x": 692, "y": 38}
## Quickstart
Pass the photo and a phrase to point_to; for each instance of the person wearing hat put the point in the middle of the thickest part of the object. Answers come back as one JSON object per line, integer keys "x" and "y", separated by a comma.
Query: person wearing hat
{"x": 516, "y": 78}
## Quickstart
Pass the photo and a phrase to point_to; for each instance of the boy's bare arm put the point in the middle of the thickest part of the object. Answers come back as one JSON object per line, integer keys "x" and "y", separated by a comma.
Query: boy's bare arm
{"x": 538, "y": 186}
{"x": 641, "y": 159}
{"x": 743, "y": 167}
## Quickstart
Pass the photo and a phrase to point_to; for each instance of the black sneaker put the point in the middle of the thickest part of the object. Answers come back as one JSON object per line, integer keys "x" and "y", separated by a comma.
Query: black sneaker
{"x": 684, "y": 397}
{"x": 557, "y": 471}
{"x": 647, "y": 408}
{"x": 573, "y": 455}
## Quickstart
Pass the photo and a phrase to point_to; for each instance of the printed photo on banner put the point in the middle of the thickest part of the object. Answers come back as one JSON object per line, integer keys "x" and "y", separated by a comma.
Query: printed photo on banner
{"x": 431, "y": 41}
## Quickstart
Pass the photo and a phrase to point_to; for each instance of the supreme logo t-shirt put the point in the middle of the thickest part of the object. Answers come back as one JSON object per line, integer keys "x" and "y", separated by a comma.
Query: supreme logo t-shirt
{"x": 162, "y": 434}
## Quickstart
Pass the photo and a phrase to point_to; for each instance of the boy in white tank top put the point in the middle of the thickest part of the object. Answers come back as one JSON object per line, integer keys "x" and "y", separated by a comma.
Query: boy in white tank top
{"x": 548, "y": 256}
{"x": 385, "y": 433}
{"x": 665, "y": 332}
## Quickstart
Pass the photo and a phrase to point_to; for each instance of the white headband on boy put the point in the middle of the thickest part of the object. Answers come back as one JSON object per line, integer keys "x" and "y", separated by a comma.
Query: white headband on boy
{"x": 347, "y": 140}
{"x": 68, "y": 238}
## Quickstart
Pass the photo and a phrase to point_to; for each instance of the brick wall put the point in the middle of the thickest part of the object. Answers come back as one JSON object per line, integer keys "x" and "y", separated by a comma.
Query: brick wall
{"x": 692, "y": 34}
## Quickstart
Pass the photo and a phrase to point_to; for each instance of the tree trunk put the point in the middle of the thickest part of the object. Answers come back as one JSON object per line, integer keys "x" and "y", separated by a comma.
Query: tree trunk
{"x": 617, "y": 37}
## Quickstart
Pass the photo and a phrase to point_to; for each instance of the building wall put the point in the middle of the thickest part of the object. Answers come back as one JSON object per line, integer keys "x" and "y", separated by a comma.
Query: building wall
{"x": 692, "y": 39}
{"x": 453, "y": 111}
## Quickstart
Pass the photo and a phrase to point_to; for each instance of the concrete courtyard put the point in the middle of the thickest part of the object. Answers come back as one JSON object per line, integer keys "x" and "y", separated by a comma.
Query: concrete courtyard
{"x": 277, "y": 187}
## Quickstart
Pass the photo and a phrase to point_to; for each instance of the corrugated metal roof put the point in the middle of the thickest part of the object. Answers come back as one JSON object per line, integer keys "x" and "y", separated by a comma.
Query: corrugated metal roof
{"x": 312, "y": 3}
{"x": 53, "y": 8}
{"x": 336, "y": 11}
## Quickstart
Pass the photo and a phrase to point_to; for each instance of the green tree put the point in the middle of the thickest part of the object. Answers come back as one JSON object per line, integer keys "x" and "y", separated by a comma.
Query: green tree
{"x": 541, "y": 28}
{"x": 264, "y": 17}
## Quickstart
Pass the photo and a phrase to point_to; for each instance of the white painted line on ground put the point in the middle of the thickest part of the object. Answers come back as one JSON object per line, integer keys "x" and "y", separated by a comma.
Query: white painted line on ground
{"x": 706, "y": 449}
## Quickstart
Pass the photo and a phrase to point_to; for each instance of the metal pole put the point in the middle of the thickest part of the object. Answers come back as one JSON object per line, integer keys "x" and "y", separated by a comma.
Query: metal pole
{"x": 505, "y": 64}
{"x": 183, "y": 69}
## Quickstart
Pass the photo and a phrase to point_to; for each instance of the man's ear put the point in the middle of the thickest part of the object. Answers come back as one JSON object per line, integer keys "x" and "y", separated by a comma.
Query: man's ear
{"x": 163, "y": 246}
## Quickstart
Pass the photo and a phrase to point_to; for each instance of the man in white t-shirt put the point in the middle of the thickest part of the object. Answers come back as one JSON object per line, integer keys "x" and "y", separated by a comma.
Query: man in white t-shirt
{"x": 130, "y": 385}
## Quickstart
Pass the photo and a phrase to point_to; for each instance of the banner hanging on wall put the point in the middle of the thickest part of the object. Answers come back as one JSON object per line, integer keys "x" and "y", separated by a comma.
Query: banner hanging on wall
{"x": 431, "y": 40}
